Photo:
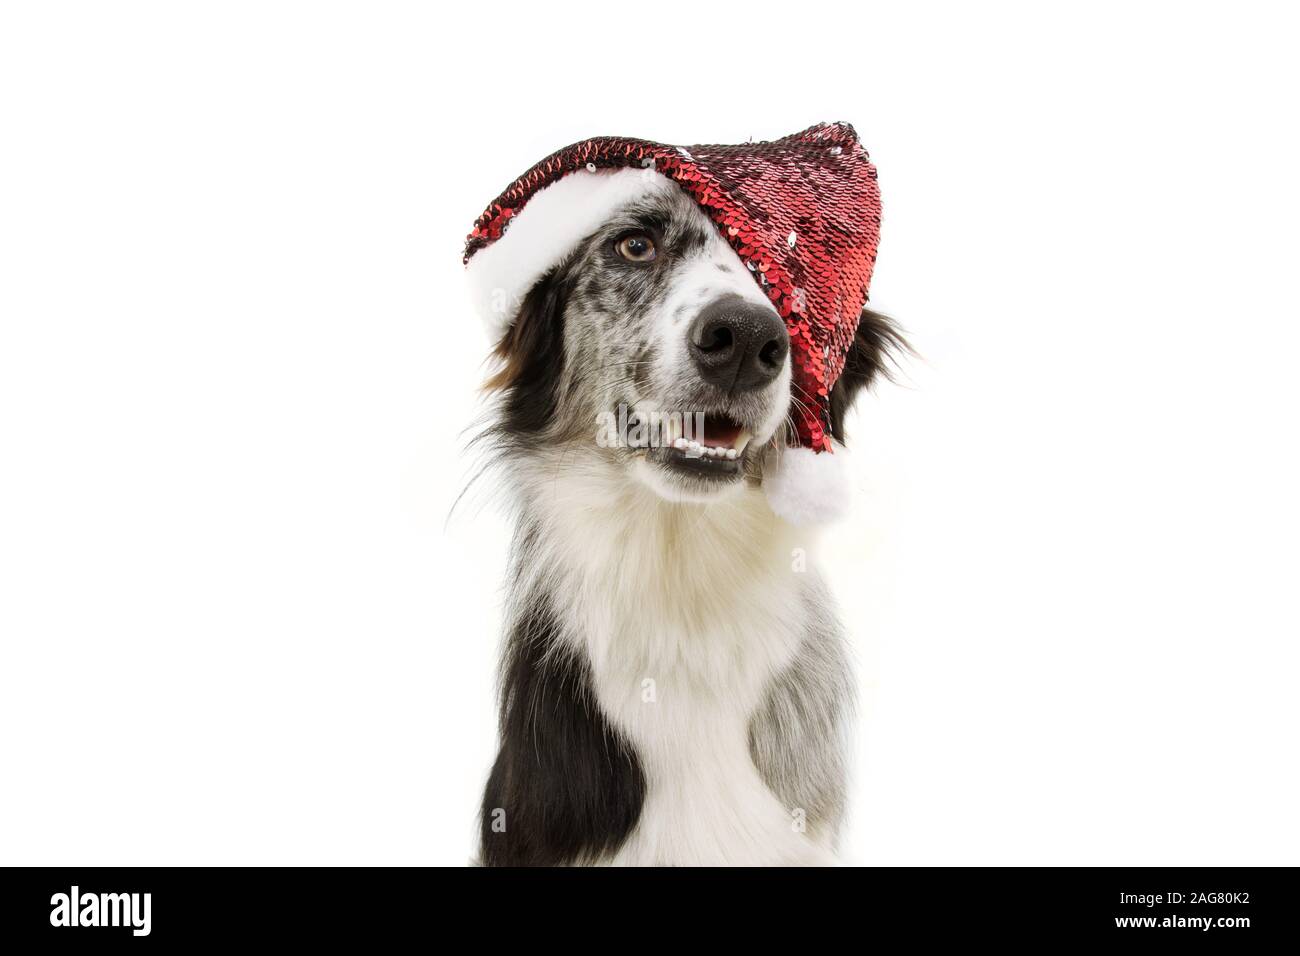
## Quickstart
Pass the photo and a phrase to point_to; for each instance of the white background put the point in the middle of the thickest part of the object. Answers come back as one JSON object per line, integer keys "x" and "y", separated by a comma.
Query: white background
{"x": 236, "y": 360}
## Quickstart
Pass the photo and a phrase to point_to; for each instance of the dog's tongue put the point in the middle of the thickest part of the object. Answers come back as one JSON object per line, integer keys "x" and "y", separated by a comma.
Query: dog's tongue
{"x": 719, "y": 431}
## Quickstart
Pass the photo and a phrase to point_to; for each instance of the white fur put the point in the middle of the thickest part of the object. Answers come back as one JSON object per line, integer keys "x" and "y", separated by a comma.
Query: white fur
{"x": 704, "y": 602}
{"x": 806, "y": 487}
{"x": 545, "y": 232}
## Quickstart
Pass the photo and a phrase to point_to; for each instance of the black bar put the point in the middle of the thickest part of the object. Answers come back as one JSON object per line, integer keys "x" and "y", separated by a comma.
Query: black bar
{"x": 865, "y": 906}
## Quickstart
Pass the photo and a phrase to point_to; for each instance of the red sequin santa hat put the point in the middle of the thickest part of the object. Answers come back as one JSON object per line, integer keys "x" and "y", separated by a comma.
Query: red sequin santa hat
{"x": 802, "y": 212}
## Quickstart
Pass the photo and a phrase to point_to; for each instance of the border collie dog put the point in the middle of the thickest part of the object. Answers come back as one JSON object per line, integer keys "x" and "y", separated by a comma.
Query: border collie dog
{"x": 674, "y": 689}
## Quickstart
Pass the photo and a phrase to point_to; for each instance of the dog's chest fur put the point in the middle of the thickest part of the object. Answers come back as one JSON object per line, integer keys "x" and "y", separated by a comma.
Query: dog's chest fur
{"x": 702, "y": 649}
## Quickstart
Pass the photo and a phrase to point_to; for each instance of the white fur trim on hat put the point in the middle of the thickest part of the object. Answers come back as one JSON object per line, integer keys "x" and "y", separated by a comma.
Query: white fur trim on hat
{"x": 545, "y": 232}
{"x": 806, "y": 487}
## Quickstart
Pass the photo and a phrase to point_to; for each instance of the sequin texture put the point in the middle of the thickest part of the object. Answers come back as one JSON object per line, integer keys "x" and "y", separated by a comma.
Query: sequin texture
{"x": 802, "y": 212}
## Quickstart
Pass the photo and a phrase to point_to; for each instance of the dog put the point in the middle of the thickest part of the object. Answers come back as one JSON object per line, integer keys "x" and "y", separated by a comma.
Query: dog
{"x": 674, "y": 686}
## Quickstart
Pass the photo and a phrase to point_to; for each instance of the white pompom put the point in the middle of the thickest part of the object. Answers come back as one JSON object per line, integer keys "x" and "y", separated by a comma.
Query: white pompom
{"x": 806, "y": 487}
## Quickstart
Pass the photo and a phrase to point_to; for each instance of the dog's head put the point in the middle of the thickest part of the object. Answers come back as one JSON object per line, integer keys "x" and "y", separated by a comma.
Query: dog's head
{"x": 652, "y": 347}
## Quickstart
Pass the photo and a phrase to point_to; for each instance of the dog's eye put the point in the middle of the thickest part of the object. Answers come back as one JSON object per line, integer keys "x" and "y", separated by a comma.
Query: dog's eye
{"x": 637, "y": 247}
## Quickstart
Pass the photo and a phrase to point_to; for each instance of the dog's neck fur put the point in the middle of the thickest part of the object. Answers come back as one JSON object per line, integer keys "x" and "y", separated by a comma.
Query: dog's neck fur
{"x": 605, "y": 534}
{"x": 686, "y": 614}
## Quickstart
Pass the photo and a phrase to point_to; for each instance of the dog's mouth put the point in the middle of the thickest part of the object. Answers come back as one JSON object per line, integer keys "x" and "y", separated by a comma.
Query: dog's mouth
{"x": 722, "y": 437}
{"x": 710, "y": 446}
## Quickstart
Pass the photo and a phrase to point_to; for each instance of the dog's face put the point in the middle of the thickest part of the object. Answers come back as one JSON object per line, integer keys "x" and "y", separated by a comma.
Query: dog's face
{"x": 656, "y": 335}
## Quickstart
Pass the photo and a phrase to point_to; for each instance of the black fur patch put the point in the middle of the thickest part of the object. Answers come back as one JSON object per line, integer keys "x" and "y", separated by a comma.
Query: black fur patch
{"x": 566, "y": 787}
{"x": 877, "y": 343}
{"x": 533, "y": 355}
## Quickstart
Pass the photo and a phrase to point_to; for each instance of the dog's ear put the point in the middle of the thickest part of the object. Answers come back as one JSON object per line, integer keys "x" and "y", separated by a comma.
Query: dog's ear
{"x": 876, "y": 348}
{"x": 531, "y": 342}
{"x": 530, "y": 357}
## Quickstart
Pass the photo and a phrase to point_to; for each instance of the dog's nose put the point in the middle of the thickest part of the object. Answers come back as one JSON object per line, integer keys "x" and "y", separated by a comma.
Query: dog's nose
{"x": 738, "y": 345}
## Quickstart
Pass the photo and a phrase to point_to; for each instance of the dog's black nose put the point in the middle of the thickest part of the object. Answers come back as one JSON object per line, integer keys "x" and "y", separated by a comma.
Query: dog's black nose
{"x": 738, "y": 345}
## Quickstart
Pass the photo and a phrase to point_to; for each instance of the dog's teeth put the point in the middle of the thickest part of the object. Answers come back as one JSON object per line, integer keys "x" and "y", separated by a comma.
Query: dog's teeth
{"x": 695, "y": 449}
